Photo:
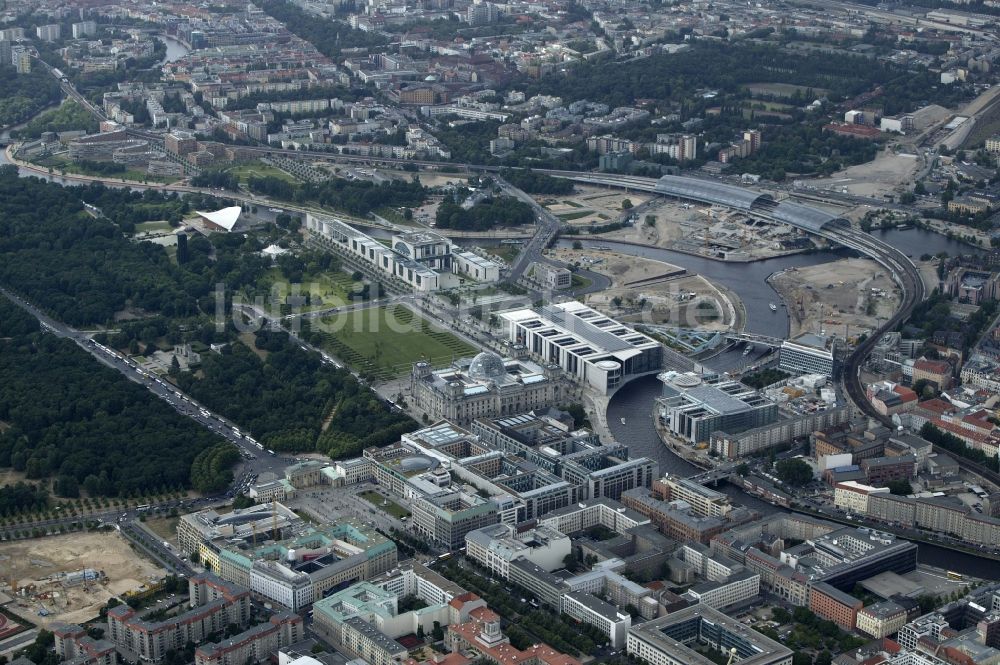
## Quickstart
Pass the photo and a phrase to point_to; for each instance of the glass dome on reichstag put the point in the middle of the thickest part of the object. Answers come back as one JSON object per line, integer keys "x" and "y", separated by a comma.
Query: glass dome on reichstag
{"x": 487, "y": 366}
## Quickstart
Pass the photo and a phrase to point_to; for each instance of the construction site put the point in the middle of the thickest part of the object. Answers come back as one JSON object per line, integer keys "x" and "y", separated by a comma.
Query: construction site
{"x": 653, "y": 292}
{"x": 69, "y": 578}
{"x": 846, "y": 297}
{"x": 712, "y": 231}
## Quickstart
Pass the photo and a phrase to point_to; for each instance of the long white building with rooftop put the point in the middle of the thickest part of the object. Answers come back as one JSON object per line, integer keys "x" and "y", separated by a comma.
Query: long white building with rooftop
{"x": 423, "y": 260}
{"x": 583, "y": 342}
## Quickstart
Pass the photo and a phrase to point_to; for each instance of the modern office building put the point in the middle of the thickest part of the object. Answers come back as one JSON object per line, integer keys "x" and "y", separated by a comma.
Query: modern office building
{"x": 578, "y": 457}
{"x": 675, "y": 519}
{"x": 737, "y": 588}
{"x": 693, "y": 406}
{"x": 585, "y": 515}
{"x": 927, "y": 626}
{"x": 377, "y": 607}
{"x": 445, "y": 519}
{"x": 241, "y": 526}
{"x": 586, "y": 344}
{"x": 703, "y": 500}
{"x": 677, "y": 638}
{"x": 809, "y": 353}
{"x": 423, "y": 260}
{"x": 591, "y": 610}
{"x": 487, "y": 386}
{"x": 758, "y": 439}
{"x": 495, "y": 547}
{"x": 835, "y": 605}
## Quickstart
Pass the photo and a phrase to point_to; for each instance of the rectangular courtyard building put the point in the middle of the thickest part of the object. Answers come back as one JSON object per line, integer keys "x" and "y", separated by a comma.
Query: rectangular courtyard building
{"x": 488, "y": 386}
{"x": 694, "y": 406}
{"x": 677, "y": 638}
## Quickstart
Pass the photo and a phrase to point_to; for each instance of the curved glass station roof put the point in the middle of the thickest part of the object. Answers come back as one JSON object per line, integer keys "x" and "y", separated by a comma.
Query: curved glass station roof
{"x": 717, "y": 193}
{"x": 807, "y": 217}
{"x": 708, "y": 191}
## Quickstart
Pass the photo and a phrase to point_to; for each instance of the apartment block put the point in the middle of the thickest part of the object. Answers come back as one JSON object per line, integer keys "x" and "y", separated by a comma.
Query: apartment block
{"x": 254, "y": 645}
{"x": 833, "y": 604}
{"x": 215, "y": 604}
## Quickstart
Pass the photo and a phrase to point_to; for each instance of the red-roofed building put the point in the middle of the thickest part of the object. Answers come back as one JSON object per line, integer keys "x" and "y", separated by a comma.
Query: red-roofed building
{"x": 979, "y": 422}
{"x": 987, "y": 443}
{"x": 890, "y": 398}
{"x": 460, "y": 607}
{"x": 854, "y": 131}
{"x": 937, "y": 372}
{"x": 481, "y": 637}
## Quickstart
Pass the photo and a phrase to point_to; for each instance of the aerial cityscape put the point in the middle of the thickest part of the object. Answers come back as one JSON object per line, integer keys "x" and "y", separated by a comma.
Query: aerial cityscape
{"x": 494, "y": 332}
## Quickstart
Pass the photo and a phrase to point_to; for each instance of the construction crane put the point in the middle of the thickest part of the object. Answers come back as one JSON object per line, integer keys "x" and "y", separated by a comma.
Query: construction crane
{"x": 732, "y": 656}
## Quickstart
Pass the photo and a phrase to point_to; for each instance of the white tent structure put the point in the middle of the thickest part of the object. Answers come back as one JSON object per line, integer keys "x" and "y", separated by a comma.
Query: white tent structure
{"x": 224, "y": 219}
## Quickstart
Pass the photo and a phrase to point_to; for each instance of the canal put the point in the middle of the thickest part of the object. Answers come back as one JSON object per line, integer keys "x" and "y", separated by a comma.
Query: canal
{"x": 175, "y": 49}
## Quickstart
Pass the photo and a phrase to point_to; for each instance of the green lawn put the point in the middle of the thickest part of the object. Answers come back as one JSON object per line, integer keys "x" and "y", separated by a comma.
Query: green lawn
{"x": 506, "y": 252}
{"x": 570, "y": 216}
{"x": 581, "y": 282}
{"x": 386, "y": 341}
{"x": 782, "y": 89}
{"x": 258, "y": 170}
{"x": 153, "y": 227}
{"x": 383, "y": 504}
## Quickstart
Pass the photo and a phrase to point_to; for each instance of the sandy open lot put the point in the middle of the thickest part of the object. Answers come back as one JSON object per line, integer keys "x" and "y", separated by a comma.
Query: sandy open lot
{"x": 875, "y": 178}
{"x": 833, "y": 295}
{"x": 36, "y": 564}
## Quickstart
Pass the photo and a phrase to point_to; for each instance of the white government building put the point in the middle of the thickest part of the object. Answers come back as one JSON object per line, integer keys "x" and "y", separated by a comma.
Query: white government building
{"x": 586, "y": 344}
{"x": 423, "y": 259}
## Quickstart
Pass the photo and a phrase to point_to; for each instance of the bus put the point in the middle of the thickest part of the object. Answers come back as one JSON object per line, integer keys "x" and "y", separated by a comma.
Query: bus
{"x": 952, "y": 575}
{"x": 143, "y": 508}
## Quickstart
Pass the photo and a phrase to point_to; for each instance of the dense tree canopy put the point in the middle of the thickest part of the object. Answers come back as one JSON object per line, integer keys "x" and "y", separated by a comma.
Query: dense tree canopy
{"x": 81, "y": 268}
{"x": 793, "y": 471}
{"x": 71, "y": 417}
{"x": 728, "y": 67}
{"x": 484, "y": 215}
{"x": 24, "y": 95}
{"x": 359, "y": 197}
{"x": 537, "y": 183}
{"x": 291, "y": 400}
{"x": 67, "y": 117}
{"x": 329, "y": 36}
